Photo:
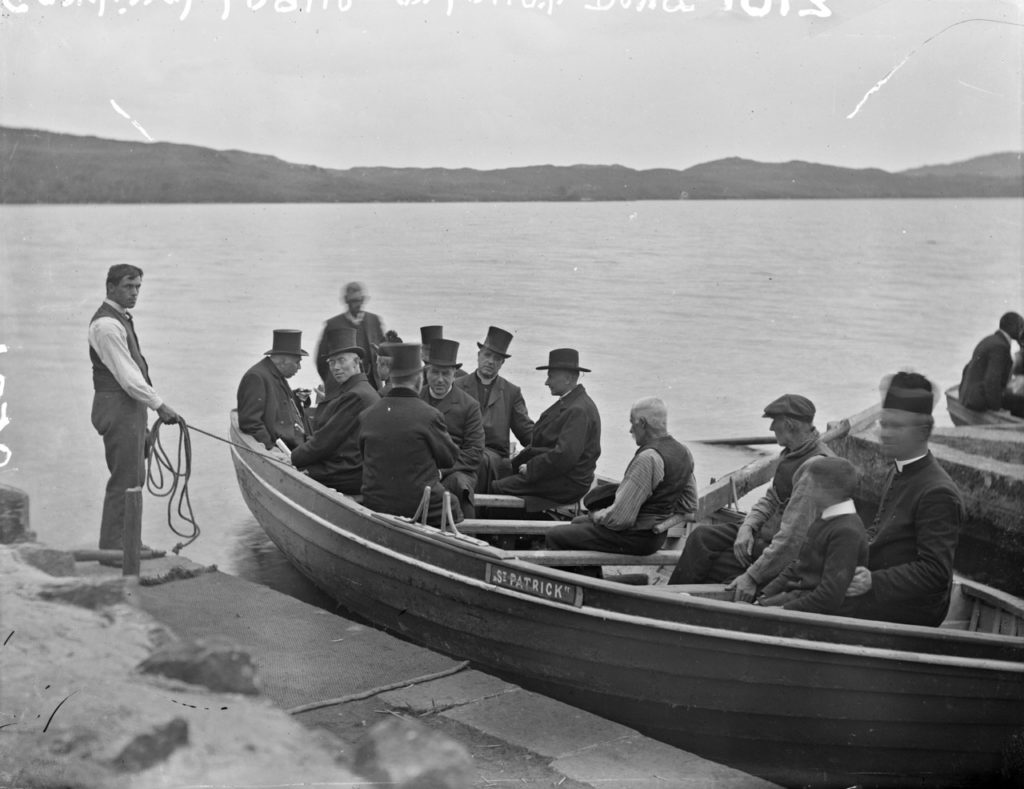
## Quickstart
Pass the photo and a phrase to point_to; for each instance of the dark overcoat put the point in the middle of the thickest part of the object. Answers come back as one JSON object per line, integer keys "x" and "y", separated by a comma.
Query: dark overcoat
{"x": 561, "y": 459}
{"x": 266, "y": 406}
{"x": 465, "y": 425}
{"x": 332, "y": 455}
{"x": 504, "y": 411}
{"x": 985, "y": 376}
{"x": 369, "y": 332}
{"x": 404, "y": 442}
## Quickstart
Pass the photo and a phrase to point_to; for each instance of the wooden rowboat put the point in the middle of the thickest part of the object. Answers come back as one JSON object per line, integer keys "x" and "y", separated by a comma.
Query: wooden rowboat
{"x": 962, "y": 415}
{"x": 796, "y": 698}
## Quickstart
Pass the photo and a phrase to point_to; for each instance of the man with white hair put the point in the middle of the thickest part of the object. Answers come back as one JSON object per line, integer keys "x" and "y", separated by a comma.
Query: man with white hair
{"x": 658, "y": 483}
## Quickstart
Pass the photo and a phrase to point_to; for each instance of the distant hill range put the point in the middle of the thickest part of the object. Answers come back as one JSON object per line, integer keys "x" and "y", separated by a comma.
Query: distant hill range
{"x": 47, "y": 167}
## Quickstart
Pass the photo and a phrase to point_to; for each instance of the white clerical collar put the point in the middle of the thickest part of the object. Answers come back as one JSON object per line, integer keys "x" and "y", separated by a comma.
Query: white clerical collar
{"x": 569, "y": 392}
{"x": 1009, "y": 339}
{"x": 901, "y": 463}
{"x": 115, "y": 305}
{"x": 846, "y": 507}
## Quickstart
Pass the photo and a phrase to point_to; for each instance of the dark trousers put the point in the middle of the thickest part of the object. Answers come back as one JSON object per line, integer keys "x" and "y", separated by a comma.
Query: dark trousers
{"x": 582, "y": 534}
{"x": 121, "y": 421}
{"x": 707, "y": 556}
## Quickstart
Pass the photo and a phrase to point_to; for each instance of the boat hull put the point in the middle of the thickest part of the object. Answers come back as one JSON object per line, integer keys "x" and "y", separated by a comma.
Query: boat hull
{"x": 793, "y": 698}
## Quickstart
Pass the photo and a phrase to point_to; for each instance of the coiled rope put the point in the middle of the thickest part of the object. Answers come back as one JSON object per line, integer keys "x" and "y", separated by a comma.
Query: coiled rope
{"x": 167, "y": 479}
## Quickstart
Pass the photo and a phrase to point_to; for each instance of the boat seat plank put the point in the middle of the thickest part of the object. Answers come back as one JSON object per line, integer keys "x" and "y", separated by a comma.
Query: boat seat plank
{"x": 499, "y": 500}
{"x": 505, "y": 526}
{"x": 572, "y": 558}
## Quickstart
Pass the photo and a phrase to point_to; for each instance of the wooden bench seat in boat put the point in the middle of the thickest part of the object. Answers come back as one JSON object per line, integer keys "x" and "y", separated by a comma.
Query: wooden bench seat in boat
{"x": 570, "y": 558}
{"x": 505, "y": 526}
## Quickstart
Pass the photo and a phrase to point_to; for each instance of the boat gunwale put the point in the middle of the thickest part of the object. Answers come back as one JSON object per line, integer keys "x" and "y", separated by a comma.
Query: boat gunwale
{"x": 485, "y": 552}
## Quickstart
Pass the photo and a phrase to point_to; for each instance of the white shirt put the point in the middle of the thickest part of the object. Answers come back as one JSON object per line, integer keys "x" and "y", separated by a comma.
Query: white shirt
{"x": 108, "y": 337}
{"x": 845, "y": 507}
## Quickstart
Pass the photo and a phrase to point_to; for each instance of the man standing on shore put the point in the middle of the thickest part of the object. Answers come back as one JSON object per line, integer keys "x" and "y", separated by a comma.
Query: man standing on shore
{"x": 123, "y": 392}
{"x": 369, "y": 330}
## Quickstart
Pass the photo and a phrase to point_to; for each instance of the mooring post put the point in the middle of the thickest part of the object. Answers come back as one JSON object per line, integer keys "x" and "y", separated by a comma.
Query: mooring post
{"x": 132, "y": 531}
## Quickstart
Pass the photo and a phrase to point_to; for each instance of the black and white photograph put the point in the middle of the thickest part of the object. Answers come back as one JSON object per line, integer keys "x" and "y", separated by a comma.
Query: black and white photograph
{"x": 591, "y": 394}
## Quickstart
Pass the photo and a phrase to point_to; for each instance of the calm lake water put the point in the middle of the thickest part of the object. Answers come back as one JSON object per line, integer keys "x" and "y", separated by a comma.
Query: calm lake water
{"x": 717, "y": 307}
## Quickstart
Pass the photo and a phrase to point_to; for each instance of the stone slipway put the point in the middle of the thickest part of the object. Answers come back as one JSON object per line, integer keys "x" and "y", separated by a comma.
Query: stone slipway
{"x": 305, "y": 655}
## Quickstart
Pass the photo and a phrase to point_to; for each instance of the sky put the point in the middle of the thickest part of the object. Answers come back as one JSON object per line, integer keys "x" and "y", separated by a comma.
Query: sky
{"x": 506, "y": 83}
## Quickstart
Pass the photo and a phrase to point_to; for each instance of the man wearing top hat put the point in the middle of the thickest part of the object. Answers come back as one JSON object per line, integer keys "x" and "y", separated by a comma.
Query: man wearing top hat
{"x": 657, "y": 484}
{"x": 558, "y": 465}
{"x": 405, "y": 443}
{"x": 753, "y": 553}
{"x": 501, "y": 405}
{"x": 913, "y": 537}
{"x": 369, "y": 330}
{"x": 332, "y": 455}
{"x": 123, "y": 392}
{"x": 462, "y": 418}
{"x": 427, "y": 336}
{"x": 267, "y": 408}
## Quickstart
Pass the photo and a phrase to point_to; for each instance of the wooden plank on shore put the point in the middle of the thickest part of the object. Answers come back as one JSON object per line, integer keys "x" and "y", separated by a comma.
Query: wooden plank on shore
{"x": 570, "y": 558}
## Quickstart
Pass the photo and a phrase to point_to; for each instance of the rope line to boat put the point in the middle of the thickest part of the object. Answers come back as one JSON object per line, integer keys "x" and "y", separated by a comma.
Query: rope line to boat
{"x": 365, "y": 694}
{"x": 175, "y": 485}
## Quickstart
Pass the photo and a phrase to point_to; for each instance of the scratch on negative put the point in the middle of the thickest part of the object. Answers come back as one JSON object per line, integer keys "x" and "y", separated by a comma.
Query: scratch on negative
{"x": 48, "y": 722}
{"x": 878, "y": 85}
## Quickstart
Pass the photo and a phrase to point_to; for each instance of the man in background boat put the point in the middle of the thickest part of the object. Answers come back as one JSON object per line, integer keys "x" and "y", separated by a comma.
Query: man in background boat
{"x": 404, "y": 443}
{"x": 657, "y": 484}
{"x": 913, "y": 538}
{"x": 501, "y": 404}
{"x": 123, "y": 392}
{"x": 267, "y": 407}
{"x": 752, "y": 554}
{"x": 558, "y": 465}
{"x": 332, "y": 455}
{"x": 369, "y": 330}
{"x": 983, "y": 385}
{"x": 462, "y": 418}
{"x": 835, "y": 545}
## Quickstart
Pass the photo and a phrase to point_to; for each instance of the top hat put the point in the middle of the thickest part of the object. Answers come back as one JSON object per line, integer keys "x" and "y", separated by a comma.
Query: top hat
{"x": 342, "y": 340}
{"x": 443, "y": 353}
{"x": 287, "y": 341}
{"x": 564, "y": 359}
{"x": 908, "y": 392}
{"x": 427, "y": 335}
{"x": 405, "y": 358}
{"x": 794, "y": 405}
{"x": 497, "y": 340}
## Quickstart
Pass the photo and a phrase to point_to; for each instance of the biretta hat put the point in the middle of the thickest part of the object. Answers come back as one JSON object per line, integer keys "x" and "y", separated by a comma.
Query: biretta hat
{"x": 287, "y": 341}
{"x": 497, "y": 340}
{"x": 794, "y": 405}
{"x": 405, "y": 358}
{"x": 564, "y": 359}
{"x": 444, "y": 353}
{"x": 342, "y": 340}
{"x": 908, "y": 392}
{"x": 600, "y": 496}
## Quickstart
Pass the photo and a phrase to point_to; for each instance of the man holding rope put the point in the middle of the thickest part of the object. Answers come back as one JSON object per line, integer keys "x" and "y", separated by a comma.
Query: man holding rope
{"x": 123, "y": 392}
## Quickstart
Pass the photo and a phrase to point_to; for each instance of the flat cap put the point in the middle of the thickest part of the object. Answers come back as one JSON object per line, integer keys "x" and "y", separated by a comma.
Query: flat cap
{"x": 794, "y": 405}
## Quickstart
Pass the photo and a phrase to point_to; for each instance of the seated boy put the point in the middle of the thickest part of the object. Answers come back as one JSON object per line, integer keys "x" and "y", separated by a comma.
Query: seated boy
{"x": 835, "y": 545}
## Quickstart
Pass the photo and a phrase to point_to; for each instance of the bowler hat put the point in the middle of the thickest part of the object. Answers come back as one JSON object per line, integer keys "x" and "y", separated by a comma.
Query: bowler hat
{"x": 443, "y": 353}
{"x": 600, "y": 496}
{"x": 287, "y": 341}
{"x": 794, "y": 405}
{"x": 564, "y": 359}
{"x": 497, "y": 340}
{"x": 342, "y": 340}
{"x": 405, "y": 358}
{"x": 908, "y": 392}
